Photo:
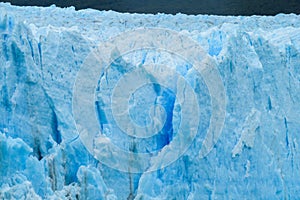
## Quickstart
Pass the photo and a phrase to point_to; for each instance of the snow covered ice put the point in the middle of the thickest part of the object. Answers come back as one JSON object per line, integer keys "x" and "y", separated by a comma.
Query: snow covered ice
{"x": 42, "y": 156}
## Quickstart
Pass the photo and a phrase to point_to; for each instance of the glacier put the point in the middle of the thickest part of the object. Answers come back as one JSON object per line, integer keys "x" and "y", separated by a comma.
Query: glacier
{"x": 43, "y": 156}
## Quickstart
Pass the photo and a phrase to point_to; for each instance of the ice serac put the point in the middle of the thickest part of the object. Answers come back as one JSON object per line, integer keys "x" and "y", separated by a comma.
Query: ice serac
{"x": 42, "y": 157}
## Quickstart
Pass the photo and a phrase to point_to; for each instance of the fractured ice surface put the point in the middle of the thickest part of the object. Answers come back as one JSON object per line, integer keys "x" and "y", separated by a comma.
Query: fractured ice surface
{"x": 42, "y": 156}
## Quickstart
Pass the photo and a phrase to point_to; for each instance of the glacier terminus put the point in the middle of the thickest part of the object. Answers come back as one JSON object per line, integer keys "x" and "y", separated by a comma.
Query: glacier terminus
{"x": 108, "y": 105}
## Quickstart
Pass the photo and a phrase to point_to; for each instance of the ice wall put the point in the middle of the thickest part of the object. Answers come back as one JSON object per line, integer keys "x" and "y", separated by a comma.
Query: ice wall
{"x": 42, "y": 156}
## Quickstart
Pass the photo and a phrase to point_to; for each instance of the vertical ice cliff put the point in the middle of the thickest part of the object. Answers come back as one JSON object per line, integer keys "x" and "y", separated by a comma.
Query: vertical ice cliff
{"x": 42, "y": 156}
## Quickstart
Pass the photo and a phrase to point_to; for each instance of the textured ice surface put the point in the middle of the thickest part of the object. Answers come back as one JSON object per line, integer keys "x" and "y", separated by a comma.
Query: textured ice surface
{"x": 41, "y": 156}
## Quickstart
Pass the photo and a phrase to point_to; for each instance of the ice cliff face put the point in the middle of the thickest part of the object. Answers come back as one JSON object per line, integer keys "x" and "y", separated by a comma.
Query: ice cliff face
{"x": 43, "y": 157}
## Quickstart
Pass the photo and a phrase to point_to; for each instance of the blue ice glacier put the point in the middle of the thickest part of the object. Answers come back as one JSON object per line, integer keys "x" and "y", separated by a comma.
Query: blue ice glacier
{"x": 43, "y": 156}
